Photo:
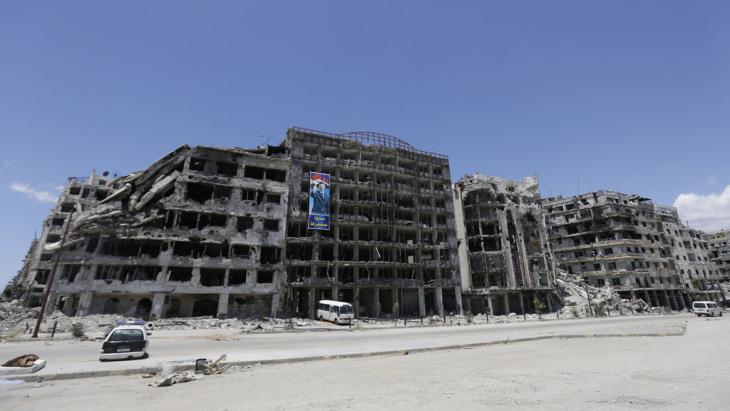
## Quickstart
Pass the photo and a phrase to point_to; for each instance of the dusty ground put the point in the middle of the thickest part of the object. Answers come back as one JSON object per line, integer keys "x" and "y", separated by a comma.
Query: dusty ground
{"x": 685, "y": 372}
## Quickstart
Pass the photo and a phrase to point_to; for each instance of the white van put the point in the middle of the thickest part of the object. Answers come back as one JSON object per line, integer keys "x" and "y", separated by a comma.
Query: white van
{"x": 708, "y": 308}
{"x": 336, "y": 311}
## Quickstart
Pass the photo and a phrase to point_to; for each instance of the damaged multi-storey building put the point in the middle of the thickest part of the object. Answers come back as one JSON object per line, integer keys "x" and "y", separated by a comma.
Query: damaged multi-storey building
{"x": 199, "y": 232}
{"x": 719, "y": 242}
{"x": 391, "y": 246}
{"x": 29, "y": 285}
{"x": 223, "y": 232}
{"x": 626, "y": 242}
{"x": 504, "y": 255}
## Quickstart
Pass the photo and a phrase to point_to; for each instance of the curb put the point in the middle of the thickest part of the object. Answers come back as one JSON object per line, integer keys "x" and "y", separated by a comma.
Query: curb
{"x": 247, "y": 363}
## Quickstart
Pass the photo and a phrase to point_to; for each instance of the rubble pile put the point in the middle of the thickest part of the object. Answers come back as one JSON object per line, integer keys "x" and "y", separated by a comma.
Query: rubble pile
{"x": 582, "y": 300}
{"x": 14, "y": 314}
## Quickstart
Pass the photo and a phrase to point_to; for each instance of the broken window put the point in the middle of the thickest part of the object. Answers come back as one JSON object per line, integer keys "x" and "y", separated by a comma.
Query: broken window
{"x": 74, "y": 191}
{"x": 197, "y": 164}
{"x": 69, "y": 272}
{"x": 214, "y": 250}
{"x": 188, "y": 220}
{"x": 270, "y": 255}
{"x": 264, "y": 277}
{"x": 146, "y": 273}
{"x": 273, "y": 198}
{"x": 212, "y": 277}
{"x": 67, "y": 207}
{"x": 41, "y": 276}
{"x": 236, "y": 277}
{"x": 199, "y": 192}
{"x": 240, "y": 250}
{"x": 254, "y": 172}
{"x": 271, "y": 225}
{"x": 226, "y": 169}
{"x": 276, "y": 175}
{"x": 181, "y": 274}
{"x": 244, "y": 223}
{"x": 101, "y": 194}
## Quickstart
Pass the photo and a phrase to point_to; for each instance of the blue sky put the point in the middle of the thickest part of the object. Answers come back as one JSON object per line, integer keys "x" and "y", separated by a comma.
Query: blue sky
{"x": 620, "y": 94}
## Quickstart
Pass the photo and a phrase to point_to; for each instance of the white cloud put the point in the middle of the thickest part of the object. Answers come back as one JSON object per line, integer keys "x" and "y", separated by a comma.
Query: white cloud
{"x": 707, "y": 212}
{"x": 42, "y": 196}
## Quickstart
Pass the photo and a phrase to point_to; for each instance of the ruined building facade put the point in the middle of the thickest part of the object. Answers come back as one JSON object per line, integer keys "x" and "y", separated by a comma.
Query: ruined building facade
{"x": 628, "y": 243}
{"x": 200, "y": 232}
{"x": 223, "y": 232}
{"x": 391, "y": 245}
{"x": 31, "y": 281}
{"x": 504, "y": 255}
{"x": 719, "y": 242}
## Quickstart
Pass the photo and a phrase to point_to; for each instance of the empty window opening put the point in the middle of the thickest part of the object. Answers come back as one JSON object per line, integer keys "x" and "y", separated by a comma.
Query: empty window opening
{"x": 270, "y": 255}
{"x": 276, "y": 175}
{"x": 212, "y": 277}
{"x": 197, "y": 164}
{"x": 226, "y": 169}
{"x": 254, "y": 172}
{"x": 199, "y": 192}
{"x": 264, "y": 277}
{"x": 101, "y": 194}
{"x": 181, "y": 274}
{"x": 240, "y": 251}
{"x": 244, "y": 223}
{"x": 271, "y": 225}
{"x": 236, "y": 277}
{"x": 273, "y": 198}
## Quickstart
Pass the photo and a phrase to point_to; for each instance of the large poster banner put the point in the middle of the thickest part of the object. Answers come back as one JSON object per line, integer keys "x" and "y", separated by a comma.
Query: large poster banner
{"x": 319, "y": 201}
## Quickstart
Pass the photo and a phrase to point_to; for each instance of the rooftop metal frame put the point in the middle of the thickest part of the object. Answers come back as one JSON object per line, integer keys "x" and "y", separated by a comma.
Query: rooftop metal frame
{"x": 370, "y": 138}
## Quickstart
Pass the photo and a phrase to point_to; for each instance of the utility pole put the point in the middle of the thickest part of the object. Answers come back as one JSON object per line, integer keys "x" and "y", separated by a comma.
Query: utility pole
{"x": 49, "y": 285}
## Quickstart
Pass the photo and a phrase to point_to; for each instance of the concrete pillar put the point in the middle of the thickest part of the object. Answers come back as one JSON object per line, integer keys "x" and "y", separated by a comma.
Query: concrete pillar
{"x": 522, "y": 303}
{"x": 439, "y": 296}
{"x": 459, "y": 302}
{"x": 395, "y": 296}
{"x": 646, "y": 296}
{"x": 549, "y": 299}
{"x": 158, "y": 303}
{"x": 421, "y": 302}
{"x": 312, "y": 302}
{"x": 68, "y": 305}
{"x": 222, "y": 305}
{"x": 377, "y": 309}
{"x": 275, "y": 304}
{"x": 52, "y": 302}
{"x": 506, "y": 303}
{"x": 666, "y": 298}
{"x": 84, "y": 303}
{"x": 356, "y": 300}
{"x": 490, "y": 306}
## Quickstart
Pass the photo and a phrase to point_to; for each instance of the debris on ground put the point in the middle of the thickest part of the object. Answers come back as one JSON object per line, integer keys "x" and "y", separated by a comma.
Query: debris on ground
{"x": 23, "y": 364}
{"x": 582, "y": 300}
{"x": 175, "y": 378}
{"x": 25, "y": 360}
{"x": 212, "y": 367}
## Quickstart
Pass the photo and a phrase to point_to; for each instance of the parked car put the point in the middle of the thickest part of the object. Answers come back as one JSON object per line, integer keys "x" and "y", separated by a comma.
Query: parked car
{"x": 707, "y": 308}
{"x": 125, "y": 342}
{"x": 336, "y": 311}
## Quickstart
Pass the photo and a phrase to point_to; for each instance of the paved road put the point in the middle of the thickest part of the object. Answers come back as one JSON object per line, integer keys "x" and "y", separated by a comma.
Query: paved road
{"x": 176, "y": 346}
{"x": 632, "y": 373}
